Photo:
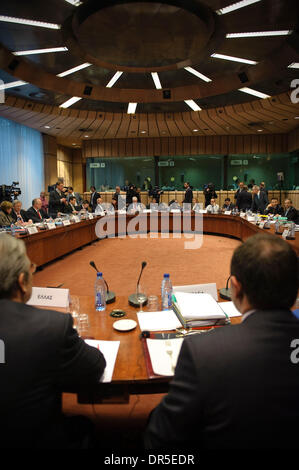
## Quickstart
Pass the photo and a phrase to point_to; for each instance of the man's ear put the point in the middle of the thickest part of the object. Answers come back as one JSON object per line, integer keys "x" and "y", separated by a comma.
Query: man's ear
{"x": 25, "y": 287}
{"x": 236, "y": 287}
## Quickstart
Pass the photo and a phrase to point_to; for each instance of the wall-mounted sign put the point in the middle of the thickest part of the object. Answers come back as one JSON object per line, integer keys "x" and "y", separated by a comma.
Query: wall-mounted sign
{"x": 94, "y": 165}
{"x": 163, "y": 163}
{"x": 236, "y": 162}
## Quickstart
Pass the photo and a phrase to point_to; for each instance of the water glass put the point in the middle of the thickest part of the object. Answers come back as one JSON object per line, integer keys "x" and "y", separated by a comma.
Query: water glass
{"x": 153, "y": 303}
{"x": 83, "y": 324}
{"x": 74, "y": 306}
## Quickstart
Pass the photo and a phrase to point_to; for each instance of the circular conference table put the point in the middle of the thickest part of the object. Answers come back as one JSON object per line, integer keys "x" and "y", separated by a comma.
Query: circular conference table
{"x": 48, "y": 245}
{"x": 130, "y": 373}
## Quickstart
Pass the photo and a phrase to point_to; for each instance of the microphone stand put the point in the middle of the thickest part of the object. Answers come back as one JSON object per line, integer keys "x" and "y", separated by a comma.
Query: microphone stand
{"x": 110, "y": 296}
{"x": 133, "y": 298}
{"x": 225, "y": 293}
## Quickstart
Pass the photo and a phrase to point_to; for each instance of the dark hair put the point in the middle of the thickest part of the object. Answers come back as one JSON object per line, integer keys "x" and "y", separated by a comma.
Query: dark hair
{"x": 70, "y": 187}
{"x": 85, "y": 201}
{"x": 267, "y": 268}
{"x": 72, "y": 198}
{"x": 227, "y": 199}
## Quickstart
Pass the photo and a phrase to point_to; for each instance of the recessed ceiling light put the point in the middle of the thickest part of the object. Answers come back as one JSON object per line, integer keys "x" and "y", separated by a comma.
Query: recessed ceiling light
{"x": 156, "y": 79}
{"x": 86, "y": 136}
{"x": 132, "y": 108}
{"x": 41, "y": 24}
{"x": 41, "y": 51}
{"x": 236, "y": 6}
{"x": 114, "y": 79}
{"x": 195, "y": 130}
{"x": 260, "y": 130}
{"x": 258, "y": 34}
{"x": 70, "y": 102}
{"x": 5, "y": 86}
{"x": 74, "y": 69}
{"x": 296, "y": 117}
{"x": 143, "y": 132}
{"x": 197, "y": 74}
{"x": 193, "y": 105}
{"x": 76, "y": 3}
{"x": 250, "y": 91}
{"x": 47, "y": 127}
{"x": 294, "y": 65}
{"x": 234, "y": 59}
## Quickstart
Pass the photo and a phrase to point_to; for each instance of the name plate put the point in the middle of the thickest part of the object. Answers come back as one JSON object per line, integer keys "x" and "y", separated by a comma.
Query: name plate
{"x": 203, "y": 211}
{"x": 285, "y": 233}
{"x": 49, "y": 297}
{"x": 227, "y": 212}
{"x": 210, "y": 288}
{"x": 66, "y": 222}
{"x": 51, "y": 225}
{"x": 76, "y": 218}
{"x": 90, "y": 216}
{"x": 262, "y": 224}
{"x": 32, "y": 229}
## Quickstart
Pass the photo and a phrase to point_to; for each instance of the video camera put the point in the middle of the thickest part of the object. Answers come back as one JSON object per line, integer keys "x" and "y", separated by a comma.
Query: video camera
{"x": 9, "y": 193}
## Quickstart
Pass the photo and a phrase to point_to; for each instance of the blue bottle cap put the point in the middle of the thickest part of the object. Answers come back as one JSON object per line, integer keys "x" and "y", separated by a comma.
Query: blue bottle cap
{"x": 99, "y": 274}
{"x": 166, "y": 275}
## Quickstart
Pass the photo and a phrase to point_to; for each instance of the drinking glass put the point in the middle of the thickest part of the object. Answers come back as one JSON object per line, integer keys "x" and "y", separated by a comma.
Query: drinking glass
{"x": 83, "y": 324}
{"x": 74, "y": 306}
{"x": 153, "y": 303}
{"x": 141, "y": 296}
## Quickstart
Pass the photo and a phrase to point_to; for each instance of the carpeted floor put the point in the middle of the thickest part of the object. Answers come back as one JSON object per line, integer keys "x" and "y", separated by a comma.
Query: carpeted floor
{"x": 120, "y": 426}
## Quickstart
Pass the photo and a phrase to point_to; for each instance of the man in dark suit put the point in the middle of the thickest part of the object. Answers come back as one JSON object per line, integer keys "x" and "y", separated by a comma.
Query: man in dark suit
{"x": 35, "y": 212}
{"x": 240, "y": 188}
{"x": 18, "y": 214}
{"x": 244, "y": 199}
{"x": 57, "y": 200}
{"x": 274, "y": 208}
{"x": 188, "y": 193}
{"x": 237, "y": 386}
{"x": 71, "y": 193}
{"x": 94, "y": 196}
{"x": 259, "y": 200}
{"x": 290, "y": 212}
{"x": 44, "y": 356}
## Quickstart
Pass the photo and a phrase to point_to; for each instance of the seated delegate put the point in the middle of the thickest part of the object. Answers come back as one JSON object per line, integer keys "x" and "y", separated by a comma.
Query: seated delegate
{"x": 44, "y": 358}
{"x": 236, "y": 387}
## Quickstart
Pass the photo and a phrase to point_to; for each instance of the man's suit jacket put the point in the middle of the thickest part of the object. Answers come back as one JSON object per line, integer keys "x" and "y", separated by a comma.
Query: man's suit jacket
{"x": 259, "y": 203}
{"x": 33, "y": 215}
{"x": 244, "y": 200}
{"x": 188, "y": 196}
{"x": 23, "y": 215}
{"x": 44, "y": 356}
{"x": 291, "y": 214}
{"x": 234, "y": 387}
{"x": 55, "y": 204}
{"x": 79, "y": 199}
{"x": 93, "y": 200}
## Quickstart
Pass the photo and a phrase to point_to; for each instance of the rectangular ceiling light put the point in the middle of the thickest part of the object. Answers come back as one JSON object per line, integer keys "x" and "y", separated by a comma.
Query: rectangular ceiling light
{"x": 74, "y": 69}
{"x": 197, "y": 74}
{"x": 234, "y": 59}
{"x": 192, "y": 105}
{"x": 156, "y": 79}
{"x": 132, "y": 108}
{"x": 258, "y": 34}
{"x": 236, "y": 6}
{"x": 250, "y": 91}
{"x": 5, "y": 86}
{"x": 41, "y": 51}
{"x": 41, "y": 24}
{"x": 114, "y": 79}
{"x": 294, "y": 65}
{"x": 70, "y": 102}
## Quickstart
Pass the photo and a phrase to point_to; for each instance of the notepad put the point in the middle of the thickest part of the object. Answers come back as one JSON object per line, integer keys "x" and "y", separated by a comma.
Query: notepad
{"x": 109, "y": 349}
{"x": 230, "y": 309}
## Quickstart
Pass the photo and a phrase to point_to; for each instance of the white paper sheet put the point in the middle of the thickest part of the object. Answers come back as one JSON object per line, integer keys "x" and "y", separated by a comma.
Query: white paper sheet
{"x": 198, "y": 306}
{"x": 109, "y": 349}
{"x": 162, "y": 362}
{"x": 230, "y": 309}
{"x": 165, "y": 320}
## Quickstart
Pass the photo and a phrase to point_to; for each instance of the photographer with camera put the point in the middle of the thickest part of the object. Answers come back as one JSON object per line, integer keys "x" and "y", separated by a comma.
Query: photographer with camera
{"x": 9, "y": 193}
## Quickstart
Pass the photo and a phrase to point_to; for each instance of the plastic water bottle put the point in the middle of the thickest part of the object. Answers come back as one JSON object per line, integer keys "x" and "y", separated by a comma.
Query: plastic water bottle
{"x": 166, "y": 292}
{"x": 100, "y": 293}
{"x": 13, "y": 230}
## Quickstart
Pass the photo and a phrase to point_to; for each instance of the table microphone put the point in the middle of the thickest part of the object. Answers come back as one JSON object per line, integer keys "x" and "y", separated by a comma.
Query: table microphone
{"x": 225, "y": 293}
{"x": 133, "y": 298}
{"x": 110, "y": 296}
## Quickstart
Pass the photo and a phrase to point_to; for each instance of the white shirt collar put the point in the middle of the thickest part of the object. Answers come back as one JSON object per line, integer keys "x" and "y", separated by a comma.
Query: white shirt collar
{"x": 247, "y": 314}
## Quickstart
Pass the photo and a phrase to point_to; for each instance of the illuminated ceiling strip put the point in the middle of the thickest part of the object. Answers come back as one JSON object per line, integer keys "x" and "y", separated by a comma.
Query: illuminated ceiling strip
{"x": 192, "y": 105}
{"x": 5, "y": 86}
{"x": 258, "y": 34}
{"x": 250, "y": 91}
{"x": 236, "y": 6}
{"x": 197, "y": 74}
{"x": 132, "y": 108}
{"x": 41, "y": 51}
{"x": 156, "y": 79}
{"x": 70, "y": 102}
{"x": 114, "y": 79}
{"x": 74, "y": 69}
{"x": 41, "y": 24}
{"x": 294, "y": 65}
{"x": 234, "y": 59}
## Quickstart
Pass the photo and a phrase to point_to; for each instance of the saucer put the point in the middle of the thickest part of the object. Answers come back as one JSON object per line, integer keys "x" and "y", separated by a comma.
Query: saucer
{"x": 124, "y": 325}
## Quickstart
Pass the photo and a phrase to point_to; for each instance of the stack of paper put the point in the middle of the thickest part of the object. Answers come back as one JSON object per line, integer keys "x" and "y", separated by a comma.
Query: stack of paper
{"x": 195, "y": 310}
{"x": 158, "y": 321}
{"x": 164, "y": 354}
{"x": 109, "y": 349}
